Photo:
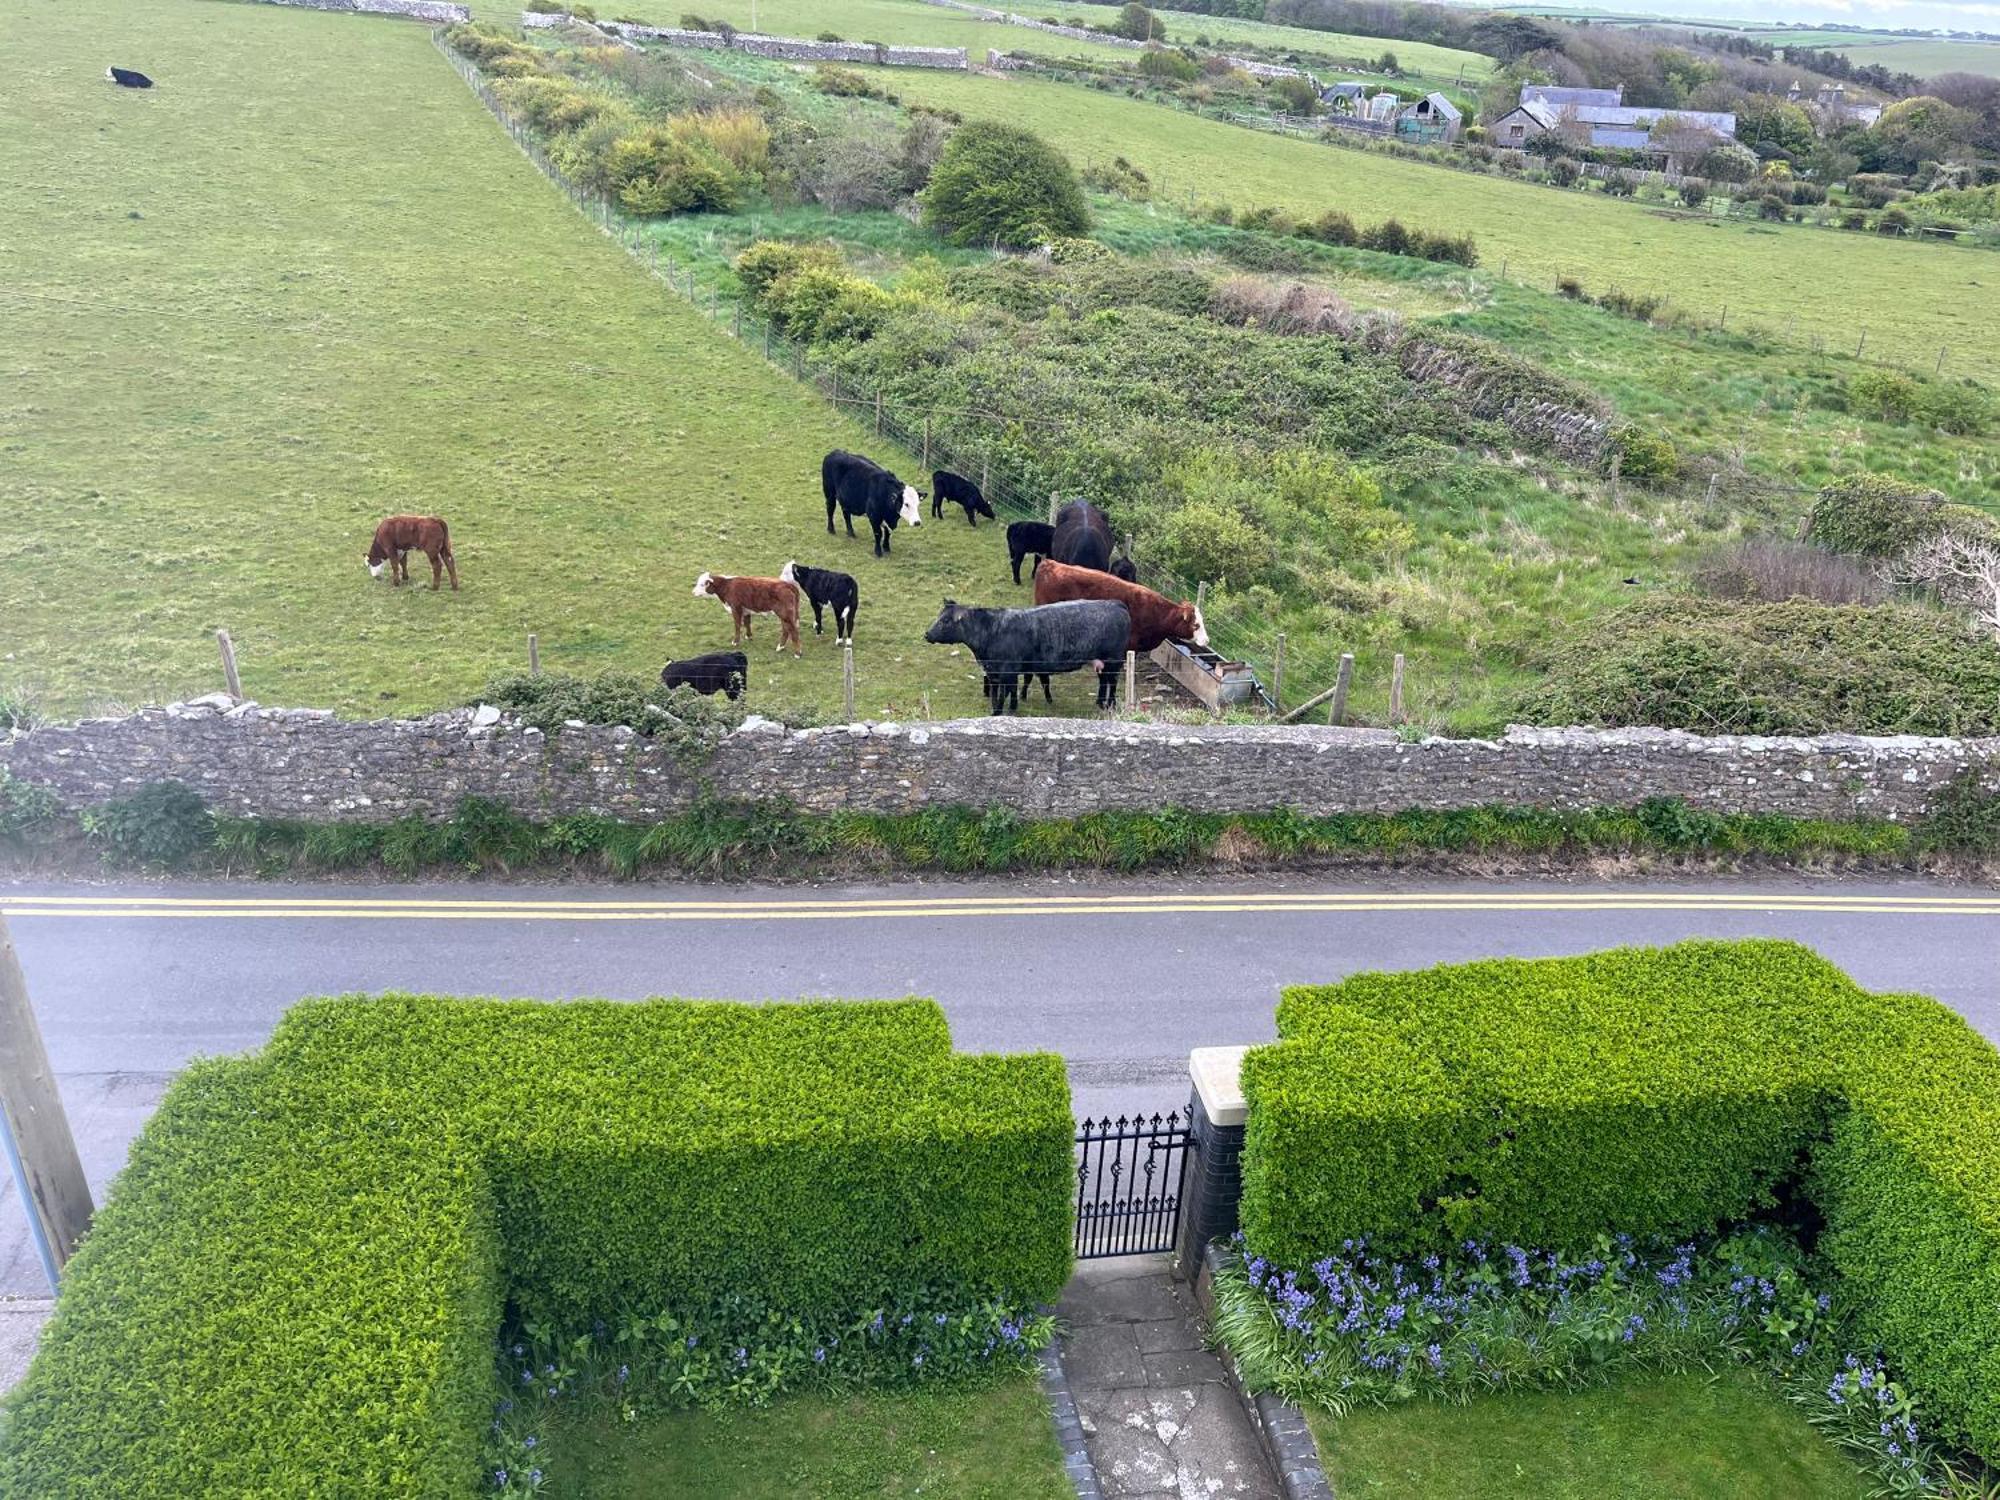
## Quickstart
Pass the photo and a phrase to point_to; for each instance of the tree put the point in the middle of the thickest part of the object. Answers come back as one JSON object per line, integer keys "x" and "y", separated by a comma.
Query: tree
{"x": 1683, "y": 142}
{"x": 1137, "y": 23}
{"x": 1509, "y": 37}
{"x": 1962, "y": 570}
{"x": 1000, "y": 183}
{"x": 1296, "y": 96}
{"x": 1772, "y": 122}
{"x": 1694, "y": 193}
{"x": 1387, "y": 63}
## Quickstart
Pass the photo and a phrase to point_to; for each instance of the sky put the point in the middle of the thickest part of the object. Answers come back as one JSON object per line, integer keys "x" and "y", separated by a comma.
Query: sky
{"x": 1945, "y": 15}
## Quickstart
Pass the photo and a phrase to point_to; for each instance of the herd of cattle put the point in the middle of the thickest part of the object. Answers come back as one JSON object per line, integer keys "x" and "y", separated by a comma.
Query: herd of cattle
{"x": 1089, "y": 610}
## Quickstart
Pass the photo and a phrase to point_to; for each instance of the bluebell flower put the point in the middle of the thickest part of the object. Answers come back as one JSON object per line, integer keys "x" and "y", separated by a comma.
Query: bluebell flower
{"x": 919, "y": 1360}
{"x": 819, "y": 1356}
{"x": 1895, "y": 1451}
{"x": 939, "y": 1320}
{"x": 506, "y": 1406}
{"x": 527, "y": 1377}
{"x": 519, "y": 1350}
{"x": 624, "y": 1373}
{"x": 534, "y": 1476}
{"x": 500, "y": 1479}
{"x": 529, "y": 1441}
{"x": 691, "y": 1341}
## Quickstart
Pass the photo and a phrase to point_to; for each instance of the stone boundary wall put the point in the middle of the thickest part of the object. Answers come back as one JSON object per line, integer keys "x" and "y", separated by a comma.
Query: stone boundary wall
{"x": 305, "y": 763}
{"x": 1083, "y": 34}
{"x": 437, "y": 12}
{"x": 795, "y": 49}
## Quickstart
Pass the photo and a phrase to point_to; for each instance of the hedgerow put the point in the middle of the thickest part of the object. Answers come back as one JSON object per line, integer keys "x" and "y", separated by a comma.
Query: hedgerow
{"x": 296, "y": 1286}
{"x": 1655, "y": 1093}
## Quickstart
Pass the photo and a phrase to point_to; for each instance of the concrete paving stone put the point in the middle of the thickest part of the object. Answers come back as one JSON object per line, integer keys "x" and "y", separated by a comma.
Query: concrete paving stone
{"x": 1163, "y": 1334}
{"x": 1103, "y": 1357}
{"x": 1184, "y": 1367}
{"x": 1222, "y": 1452}
{"x": 21, "y": 1321}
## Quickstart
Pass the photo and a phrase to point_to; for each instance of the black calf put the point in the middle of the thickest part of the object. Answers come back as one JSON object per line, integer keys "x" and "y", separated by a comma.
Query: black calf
{"x": 956, "y": 488}
{"x": 1025, "y": 538}
{"x": 718, "y": 672}
{"x": 826, "y": 589}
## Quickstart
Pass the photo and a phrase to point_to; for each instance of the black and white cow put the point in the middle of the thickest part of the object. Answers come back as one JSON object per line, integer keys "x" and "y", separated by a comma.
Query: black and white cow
{"x": 125, "y": 78}
{"x": 1082, "y": 537}
{"x": 959, "y": 490}
{"x": 826, "y": 589}
{"x": 860, "y": 486}
{"x": 1014, "y": 643}
{"x": 718, "y": 672}
{"x": 1026, "y": 538}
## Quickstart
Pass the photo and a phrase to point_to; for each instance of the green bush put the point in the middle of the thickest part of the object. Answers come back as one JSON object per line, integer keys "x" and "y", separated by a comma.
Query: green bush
{"x": 822, "y": 305}
{"x": 658, "y": 170}
{"x": 1645, "y": 455}
{"x": 1163, "y": 63}
{"x": 1537, "y": 1103}
{"x": 999, "y": 183}
{"x": 1873, "y": 515}
{"x": 764, "y": 263}
{"x": 295, "y": 1286}
{"x": 1720, "y": 667}
{"x": 163, "y": 824}
{"x": 844, "y": 83}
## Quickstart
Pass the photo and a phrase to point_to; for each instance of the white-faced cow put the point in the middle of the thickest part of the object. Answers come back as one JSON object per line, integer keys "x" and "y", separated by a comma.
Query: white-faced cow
{"x": 744, "y": 597}
{"x": 860, "y": 486}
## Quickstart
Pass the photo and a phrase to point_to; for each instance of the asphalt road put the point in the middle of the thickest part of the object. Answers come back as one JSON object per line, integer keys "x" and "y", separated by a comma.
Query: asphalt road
{"x": 1122, "y": 978}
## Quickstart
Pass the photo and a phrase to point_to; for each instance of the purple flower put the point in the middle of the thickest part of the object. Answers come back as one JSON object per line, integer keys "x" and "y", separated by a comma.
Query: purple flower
{"x": 534, "y": 1476}
{"x": 527, "y": 1377}
{"x": 691, "y": 1341}
{"x": 918, "y": 1361}
{"x": 819, "y": 1356}
{"x": 500, "y": 1479}
{"x": 624, "y": 1373}
{"x": 529, "y": 1441}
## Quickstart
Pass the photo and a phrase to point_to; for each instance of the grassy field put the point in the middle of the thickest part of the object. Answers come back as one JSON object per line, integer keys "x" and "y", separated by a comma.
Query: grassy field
{"x": 1690, "y": 1437}
{"x": 994, "y": 1444}
{"x": 1415, "y": 57}
{"x": 1911, "y": 298}
{"x": 307, "y": 282}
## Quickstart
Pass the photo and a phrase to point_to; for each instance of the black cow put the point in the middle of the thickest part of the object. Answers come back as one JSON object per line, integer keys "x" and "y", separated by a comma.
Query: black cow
{"x": 125, "y": 78}
{"x": 718, "y": 672}
{"x": 1025, "y": 537}
{"x": 959, "y": 490}
{"x": 1125, "y": 568}
{"x": 860, "y": 486}
{"x": 1082, "y": 537}
{"x": 1014, "y": 643}
{"x": 826, "y": 589}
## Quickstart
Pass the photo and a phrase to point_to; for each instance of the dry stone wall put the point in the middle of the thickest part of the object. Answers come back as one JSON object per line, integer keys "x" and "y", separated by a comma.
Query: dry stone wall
{"x": 437, "y": 12}
{"x": 789, "y": 48}
{"x": 303, "y": 763}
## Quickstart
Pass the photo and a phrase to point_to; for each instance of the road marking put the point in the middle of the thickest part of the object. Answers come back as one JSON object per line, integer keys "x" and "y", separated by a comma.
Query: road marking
{"x": 278, "y": 908}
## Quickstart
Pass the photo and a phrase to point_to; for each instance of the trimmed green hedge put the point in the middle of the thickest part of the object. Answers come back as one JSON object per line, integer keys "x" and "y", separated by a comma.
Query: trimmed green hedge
{"x": 295, "y": 1287}
{"x": 1650, "y": 1091}
{"x": 1538, "y": 1102}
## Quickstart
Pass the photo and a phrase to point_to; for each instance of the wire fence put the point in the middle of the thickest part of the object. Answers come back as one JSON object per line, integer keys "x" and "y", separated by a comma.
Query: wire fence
{"x": 934, "y": 435}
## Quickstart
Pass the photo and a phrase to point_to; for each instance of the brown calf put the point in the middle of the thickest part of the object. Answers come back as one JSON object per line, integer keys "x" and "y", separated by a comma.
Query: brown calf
{"x": 1155, "y": 618}
{"x": 398, "y": 535}
{"x": 745, "y": 597}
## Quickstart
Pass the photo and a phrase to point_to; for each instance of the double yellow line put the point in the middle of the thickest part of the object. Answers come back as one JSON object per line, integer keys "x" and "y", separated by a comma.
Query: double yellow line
{"x": 811, "y": 908}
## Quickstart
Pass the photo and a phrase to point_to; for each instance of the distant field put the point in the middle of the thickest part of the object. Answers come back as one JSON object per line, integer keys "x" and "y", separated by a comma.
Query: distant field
{"x": 1926, "y": 57}
{"x": 1911, "y": 298}
{"x": 1185, "y": 26}
{"x": 307, "y": 282}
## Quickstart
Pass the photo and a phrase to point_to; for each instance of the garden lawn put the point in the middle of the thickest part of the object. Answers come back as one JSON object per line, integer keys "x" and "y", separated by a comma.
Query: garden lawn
{"x": 995, "y": 1443}
{"x": 1912, "y": 298}
{"x": 307, "y": 282}
{"x": 1681, "y": 1437}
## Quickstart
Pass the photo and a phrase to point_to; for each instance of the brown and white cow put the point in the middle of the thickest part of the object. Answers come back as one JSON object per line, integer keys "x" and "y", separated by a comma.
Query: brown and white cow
{"x": 1155, "y": 617}
{"x": 744, "y": 597}
{"x": 397, "y": 536}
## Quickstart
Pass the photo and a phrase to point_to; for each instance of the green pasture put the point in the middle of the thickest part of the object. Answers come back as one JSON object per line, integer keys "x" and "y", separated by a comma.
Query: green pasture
{"x": 1791, "y": 281}
{"x": 308, "y": 281}
{"x": 1680, "y": 1437}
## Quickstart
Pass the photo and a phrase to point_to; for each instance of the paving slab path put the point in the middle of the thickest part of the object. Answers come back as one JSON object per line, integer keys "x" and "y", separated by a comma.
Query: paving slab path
{"x": 1160, "y": 1418}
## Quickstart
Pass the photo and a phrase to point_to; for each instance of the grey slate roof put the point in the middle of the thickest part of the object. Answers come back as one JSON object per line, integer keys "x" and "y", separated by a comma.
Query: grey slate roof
{"x": 1561, "y": 97}
{"x": 1628, "y": 116}
{"x": 1439, "y": 106}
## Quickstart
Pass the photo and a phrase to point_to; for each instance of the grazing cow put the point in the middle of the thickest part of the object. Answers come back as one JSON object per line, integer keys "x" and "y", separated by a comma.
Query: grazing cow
{"x": 1155, "y": 618}
{"x": 959, "y": 490}
{"x": 860, "y": 486}
{"x": 1125, "y": 568}
{"x": 744, "y": 597}
{"x": 125, "y": 78}
{"x": 1082, "y": 537}
{"x": 398, "y": 536}
{"x": 726, "y": 672}
{"x": 826, "y": 589}
{"x": 1013, "y": 643}
{"x": 1025, "y": 537}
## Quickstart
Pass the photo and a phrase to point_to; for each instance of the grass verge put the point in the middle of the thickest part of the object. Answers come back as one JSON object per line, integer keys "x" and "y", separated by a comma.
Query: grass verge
{"x": 1675, "y": 1437}
{"x": 989, "y": 1443}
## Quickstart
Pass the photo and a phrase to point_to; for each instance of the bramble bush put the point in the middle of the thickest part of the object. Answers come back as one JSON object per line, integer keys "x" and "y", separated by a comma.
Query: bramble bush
{"x": 1001, "y": 184}
{"x": 296, "y": 1285}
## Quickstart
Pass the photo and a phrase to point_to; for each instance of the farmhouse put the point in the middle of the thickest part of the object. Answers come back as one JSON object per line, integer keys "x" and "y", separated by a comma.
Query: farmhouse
{"x": 1584, "y": 118}
{"x": 1432, "y": 118}
{"x": 1831, "y": 101}
{"x": 1343, "y": 98}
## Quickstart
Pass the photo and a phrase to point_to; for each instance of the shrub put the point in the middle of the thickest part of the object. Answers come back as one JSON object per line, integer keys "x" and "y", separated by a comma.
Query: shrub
{"x": 671, "y": 169}
{"x": 551, "y": 105}
{"x": 1793, "y": 668}
{"x": 764, "y": 262}
{"x": 1333, "y": 228}
{"x": 1893, "y": 221}
{"x": 163, "y": 824}
{"x": 1772, "y": 206}
{"x": 739, "y": 136}
{"x": 844, "y": 83}
{"x": 1808, "y": 194}
{"x": 1000, "y": 183}
{"x": 1644, "y": 455}
{"x": 1649, "y": 1092}
{"x": 1295, "y": 96}
{"x": 1771, "y": 572}
{"x": 1161, "y": 63}
{"x": 1693, "y": 193}
{"x": 1564, "y": 172}
{"x": 1854, "y": 218}
{"x": 1212, "y": 542}
{"x": 1294, "y": 309}
{"x": 1389, "y": 237}
{"x": 295, "y": 1285}
{"x": 1873, "y": 515}
{"x": 1120, "y": 177}
{"x": 1136, "y": 23}
{"x": 823, "y": 305}
{"x": 1621, "y": 184}
{"x": 1571, "y": 288}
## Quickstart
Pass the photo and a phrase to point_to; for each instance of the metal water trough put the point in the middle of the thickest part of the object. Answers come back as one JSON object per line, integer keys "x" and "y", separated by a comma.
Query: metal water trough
{"x": 1217, "y": 683}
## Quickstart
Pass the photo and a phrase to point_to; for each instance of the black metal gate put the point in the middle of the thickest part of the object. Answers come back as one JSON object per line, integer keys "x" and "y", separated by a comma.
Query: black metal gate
{"x": 1128, "y": 1184}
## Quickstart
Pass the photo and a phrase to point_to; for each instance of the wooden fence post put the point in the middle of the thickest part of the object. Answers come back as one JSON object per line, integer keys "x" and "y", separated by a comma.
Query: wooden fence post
{"x": 739, "y": 320}
{"x": 1861, "y": 345}
{"x": 985, "y": 473}
{"x": 798, "y": 362}
{"x": 1342, "y": 679}
{"x": 847, "y": 679}
{"x": 1055, "y": 502}
{"x": 878, "y": 414}
{"x": 1396, "y": 689}
{"x": 1131, "y": 681}
{"x": 1278, "y": 676}
{"x": 1943, "y": 350}
{"x": 228, "y": 649}
{"x": 55, "y": 1198}
{"x": 927, "y": 445}
{"x": 534, "y": 655}
{"x": 767, "y": 341}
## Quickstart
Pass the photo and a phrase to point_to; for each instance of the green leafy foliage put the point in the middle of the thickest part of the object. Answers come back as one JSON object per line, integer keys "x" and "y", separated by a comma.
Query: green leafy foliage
{"x": 1873, "y": 515}
{"x": 1000, "y": 184}
{"x": 295, "y": 1286}
{"x": 1644, "y": 454}
{"x": 1527, "y": 1102}
{"x": 1720, "y": 667}
{"x": 163, "y": 824}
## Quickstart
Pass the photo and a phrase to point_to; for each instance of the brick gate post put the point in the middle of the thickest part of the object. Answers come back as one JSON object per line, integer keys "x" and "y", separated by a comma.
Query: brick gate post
{"x": 1213, "y": 1185}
